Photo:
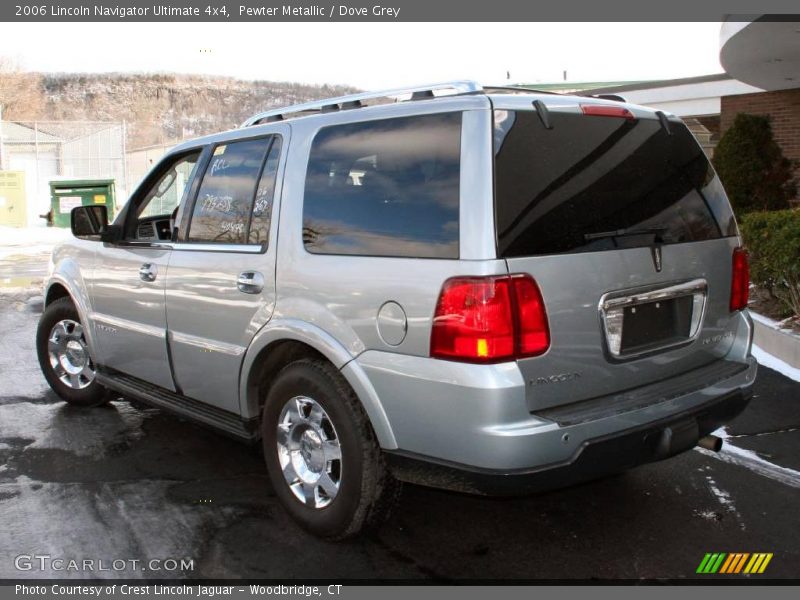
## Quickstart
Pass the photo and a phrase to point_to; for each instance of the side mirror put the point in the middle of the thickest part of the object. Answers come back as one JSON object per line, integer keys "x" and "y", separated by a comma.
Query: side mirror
{"x": 89, "y": 222}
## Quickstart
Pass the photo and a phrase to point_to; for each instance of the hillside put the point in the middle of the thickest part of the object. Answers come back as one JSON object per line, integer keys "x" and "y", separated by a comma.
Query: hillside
{"x": 158, "y": 108}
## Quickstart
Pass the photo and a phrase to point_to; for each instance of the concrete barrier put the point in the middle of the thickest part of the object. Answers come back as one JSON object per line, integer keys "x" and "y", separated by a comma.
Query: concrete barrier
{"x": 780, "y": 343}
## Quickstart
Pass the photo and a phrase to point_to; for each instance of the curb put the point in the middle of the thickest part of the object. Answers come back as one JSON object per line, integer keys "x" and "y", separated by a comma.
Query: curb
{"x": 780, "y": 343}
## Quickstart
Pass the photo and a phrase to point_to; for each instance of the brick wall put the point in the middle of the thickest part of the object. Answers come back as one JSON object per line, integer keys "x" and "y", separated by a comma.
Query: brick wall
{"x": 784, "y": 108}
{"x": 712, "y": 124}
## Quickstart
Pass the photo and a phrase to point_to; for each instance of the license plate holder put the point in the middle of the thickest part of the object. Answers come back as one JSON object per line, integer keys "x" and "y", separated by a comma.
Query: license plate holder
{"x": 646, "y": 320}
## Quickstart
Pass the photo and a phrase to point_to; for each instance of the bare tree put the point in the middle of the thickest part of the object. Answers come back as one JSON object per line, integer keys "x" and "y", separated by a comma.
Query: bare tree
{"x": 20, "y": 92}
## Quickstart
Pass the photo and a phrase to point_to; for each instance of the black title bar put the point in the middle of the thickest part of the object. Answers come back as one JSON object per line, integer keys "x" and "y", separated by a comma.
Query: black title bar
{"x": 393, "y": 10}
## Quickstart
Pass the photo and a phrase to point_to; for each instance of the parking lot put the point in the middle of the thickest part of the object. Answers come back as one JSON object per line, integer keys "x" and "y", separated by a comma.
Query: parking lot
{"x": 130, "y": 482}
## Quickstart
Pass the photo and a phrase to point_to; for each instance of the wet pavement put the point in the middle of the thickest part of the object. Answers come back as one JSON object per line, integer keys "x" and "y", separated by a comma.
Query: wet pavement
{"x": 128, "y": 482}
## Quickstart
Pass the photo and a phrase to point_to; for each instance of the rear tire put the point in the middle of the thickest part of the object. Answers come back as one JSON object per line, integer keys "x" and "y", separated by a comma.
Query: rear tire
{"x": 323, "y": 458}
{"x": 64, "y": 356}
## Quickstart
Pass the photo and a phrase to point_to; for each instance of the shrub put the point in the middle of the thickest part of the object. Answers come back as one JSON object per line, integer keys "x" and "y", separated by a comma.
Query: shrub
{"x": 773, "y": 241}
{"x": 752, "y": 167}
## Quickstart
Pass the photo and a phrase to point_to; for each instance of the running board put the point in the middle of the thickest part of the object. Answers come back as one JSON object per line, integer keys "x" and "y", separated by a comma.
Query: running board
{"x": 221, "y": 420}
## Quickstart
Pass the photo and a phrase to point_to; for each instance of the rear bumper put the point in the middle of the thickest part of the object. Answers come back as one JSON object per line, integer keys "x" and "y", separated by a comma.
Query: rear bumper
{"x": 475, "y": 419}
{"x": 595, "y": 457}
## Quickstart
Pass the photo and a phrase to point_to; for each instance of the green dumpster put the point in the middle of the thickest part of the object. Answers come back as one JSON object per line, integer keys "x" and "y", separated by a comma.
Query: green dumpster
{"x": 67, "y": 194}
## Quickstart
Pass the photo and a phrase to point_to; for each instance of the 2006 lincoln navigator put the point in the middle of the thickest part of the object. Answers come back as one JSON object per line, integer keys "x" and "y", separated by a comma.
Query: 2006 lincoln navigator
{"x": 490, "y": 290}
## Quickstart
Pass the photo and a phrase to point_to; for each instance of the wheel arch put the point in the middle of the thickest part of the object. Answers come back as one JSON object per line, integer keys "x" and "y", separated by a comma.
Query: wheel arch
{"x": 56, "y": 291}
{"x": 59, "y": 286}
{"x": 283, "y": 342}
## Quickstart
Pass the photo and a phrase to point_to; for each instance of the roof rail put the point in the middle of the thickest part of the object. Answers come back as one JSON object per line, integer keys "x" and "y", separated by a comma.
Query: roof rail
{"x": 518, "y": 90}
{"x": 356, "y": 100}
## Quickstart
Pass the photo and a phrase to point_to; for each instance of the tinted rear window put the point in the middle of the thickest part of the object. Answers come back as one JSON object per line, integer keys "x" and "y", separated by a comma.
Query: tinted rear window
{"x": 594, "y": 183}
{"x": 385, "y": 188}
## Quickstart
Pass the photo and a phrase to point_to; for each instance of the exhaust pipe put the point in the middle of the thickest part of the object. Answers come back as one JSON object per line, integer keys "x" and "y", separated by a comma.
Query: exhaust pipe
{"x": 710, "y": 442}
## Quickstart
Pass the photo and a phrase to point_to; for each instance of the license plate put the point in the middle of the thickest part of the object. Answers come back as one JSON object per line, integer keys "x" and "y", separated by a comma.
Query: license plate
{"x": 656, "y": 324}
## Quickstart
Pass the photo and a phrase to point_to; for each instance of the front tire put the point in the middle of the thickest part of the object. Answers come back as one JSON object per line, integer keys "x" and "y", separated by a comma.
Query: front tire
{"x": 323, "y": 459}
{"x": 64, "y": 356}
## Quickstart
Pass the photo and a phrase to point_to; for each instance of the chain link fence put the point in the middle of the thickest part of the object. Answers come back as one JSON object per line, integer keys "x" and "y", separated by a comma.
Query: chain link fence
{"x": 57, "y": 150}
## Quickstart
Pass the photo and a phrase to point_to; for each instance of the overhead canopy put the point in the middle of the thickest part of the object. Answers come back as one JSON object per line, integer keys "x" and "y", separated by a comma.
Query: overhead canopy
{"x": 762, "y": 53}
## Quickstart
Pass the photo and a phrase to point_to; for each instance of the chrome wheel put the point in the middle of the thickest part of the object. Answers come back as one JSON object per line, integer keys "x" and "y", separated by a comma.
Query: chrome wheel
{"x": 69, "y": 355}
{"x": 309, "y": 452}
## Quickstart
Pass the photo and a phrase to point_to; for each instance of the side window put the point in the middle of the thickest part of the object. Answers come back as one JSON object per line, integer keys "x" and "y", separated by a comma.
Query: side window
{"x": 385, "y": 188}
{"x": 166, "y": 194}
{"x": 262, "y": 208}
{"x": 224, "y": 201}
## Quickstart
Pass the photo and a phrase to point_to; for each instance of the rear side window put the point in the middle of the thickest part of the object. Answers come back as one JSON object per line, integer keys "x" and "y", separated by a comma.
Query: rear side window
{"x": 385, "y": 188}
{"x": 224, "y": 201}
{"x": 595, "y": 183}
{"x": 265, "y": 192}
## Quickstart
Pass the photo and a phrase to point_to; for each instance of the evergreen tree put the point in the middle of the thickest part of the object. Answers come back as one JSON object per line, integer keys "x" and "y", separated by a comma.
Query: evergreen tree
{"x": 752, "y": 167}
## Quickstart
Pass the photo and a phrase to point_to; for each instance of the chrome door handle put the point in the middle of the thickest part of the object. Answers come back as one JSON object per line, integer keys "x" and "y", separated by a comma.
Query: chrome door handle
{"x": 148, "y": 272}
{"x": 250, "y": 282}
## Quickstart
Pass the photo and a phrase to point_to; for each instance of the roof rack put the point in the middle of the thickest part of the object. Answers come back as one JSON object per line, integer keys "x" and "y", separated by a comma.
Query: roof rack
{"x": 357, "y": 100}
{"x": 518, "y": 90}
{"x": 614, "y": 97}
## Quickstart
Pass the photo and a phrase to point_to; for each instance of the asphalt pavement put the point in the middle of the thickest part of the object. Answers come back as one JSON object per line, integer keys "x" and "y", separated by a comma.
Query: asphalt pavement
{"x": 130, "y": 483}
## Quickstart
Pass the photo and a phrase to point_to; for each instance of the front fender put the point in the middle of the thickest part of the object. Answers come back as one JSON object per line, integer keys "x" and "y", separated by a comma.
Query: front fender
{"x": 67, "y": 274}
{"x": 279, "y": 330}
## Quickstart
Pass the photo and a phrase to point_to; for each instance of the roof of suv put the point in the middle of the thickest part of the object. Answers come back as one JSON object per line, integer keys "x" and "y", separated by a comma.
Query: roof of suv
{"x": 500, "y": 96}
{"x": 423, "y": 92}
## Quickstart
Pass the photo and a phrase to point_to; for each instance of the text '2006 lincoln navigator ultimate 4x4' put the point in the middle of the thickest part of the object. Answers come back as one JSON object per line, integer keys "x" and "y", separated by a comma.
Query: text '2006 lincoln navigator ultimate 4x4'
{"x": 489, "y": 290}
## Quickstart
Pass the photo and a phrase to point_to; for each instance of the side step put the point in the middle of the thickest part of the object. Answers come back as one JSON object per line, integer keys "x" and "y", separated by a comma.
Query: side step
{"x": 221, "y": 420}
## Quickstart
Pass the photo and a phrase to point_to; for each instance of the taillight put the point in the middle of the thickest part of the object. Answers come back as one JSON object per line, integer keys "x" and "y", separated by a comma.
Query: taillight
{"x": 605, "y": 110}
{"x": 489, "y": 319}
{"x": 534, "y": 333}
{"x": 740, "y": 280}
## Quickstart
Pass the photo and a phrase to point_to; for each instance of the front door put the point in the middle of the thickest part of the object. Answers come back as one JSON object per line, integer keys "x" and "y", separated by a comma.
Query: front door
{"x": 128, "y": 281}
{"x": 221, "y": 276}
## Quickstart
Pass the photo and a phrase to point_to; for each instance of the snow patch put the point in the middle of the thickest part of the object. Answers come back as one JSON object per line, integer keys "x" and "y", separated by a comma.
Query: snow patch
{"x": 723, "y": 496}
{"x": 772, "y": 362}
{"x": 708, "y": 515}
{"x": 752, "y": 461}
{"x": 30, "y": 241}
{"x": 724, "y": 499}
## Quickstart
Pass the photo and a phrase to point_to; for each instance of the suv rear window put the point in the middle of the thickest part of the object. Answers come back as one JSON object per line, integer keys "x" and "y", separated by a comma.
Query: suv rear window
{"x": 595, "y": 183}
{"x": 385, "y": 188}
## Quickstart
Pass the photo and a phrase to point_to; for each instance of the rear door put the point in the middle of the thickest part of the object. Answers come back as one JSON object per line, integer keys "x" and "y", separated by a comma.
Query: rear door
{"x": 621, "y": 220}
{"x": 221, "y": 280}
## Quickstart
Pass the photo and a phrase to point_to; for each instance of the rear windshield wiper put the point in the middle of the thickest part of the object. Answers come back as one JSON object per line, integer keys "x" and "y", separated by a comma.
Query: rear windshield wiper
{"x": 657, "y": 231}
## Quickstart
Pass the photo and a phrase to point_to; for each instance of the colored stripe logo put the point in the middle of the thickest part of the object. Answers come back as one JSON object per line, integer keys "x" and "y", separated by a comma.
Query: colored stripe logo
{"x": 734, "y": 563}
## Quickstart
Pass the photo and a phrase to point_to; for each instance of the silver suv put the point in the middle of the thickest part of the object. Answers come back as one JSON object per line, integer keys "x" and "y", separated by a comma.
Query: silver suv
{"x": 482, "y": 289}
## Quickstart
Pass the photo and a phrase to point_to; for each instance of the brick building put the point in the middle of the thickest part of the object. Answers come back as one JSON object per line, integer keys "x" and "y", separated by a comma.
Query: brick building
{"x": 783, "y": 108}
{"x": 765, "y": 54}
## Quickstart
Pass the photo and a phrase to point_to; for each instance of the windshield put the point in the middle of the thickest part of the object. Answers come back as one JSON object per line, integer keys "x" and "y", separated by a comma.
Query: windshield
{"x": 594, "y": 183}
